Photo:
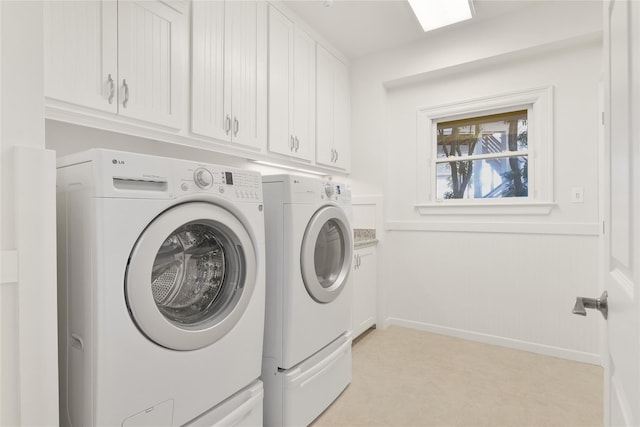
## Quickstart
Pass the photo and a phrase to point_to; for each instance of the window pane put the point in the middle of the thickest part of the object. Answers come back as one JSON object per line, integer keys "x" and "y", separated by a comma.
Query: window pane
{"x": 488, "y": 178}
{"x": 483, "y": 135}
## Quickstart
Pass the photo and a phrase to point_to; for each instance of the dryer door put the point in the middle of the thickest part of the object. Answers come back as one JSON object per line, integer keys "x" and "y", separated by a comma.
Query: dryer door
{"x": 327, "y": 249}
{"x": 190, "y": 276}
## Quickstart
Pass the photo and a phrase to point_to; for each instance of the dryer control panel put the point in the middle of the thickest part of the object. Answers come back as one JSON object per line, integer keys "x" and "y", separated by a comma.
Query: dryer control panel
{"x": 303, "y": 189}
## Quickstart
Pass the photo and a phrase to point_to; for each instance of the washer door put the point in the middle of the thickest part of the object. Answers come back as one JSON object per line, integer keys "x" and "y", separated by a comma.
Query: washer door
{"x": 327, "y": 249}
{"x": 190, "y": 276}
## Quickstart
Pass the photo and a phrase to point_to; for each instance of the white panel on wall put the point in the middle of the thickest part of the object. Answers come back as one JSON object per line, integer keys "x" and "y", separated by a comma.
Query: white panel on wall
{"x": 508, "y": 289}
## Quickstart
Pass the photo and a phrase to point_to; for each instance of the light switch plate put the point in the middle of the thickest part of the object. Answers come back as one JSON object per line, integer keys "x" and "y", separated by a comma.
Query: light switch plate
{"x": 577, "y": 195}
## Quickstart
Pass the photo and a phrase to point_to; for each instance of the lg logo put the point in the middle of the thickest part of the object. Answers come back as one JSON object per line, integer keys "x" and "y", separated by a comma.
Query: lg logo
{"x": 117, "y": 162}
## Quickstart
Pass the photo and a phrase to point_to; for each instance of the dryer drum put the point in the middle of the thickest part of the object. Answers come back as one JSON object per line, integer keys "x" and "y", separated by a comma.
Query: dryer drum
{"x": 188, "y": 273}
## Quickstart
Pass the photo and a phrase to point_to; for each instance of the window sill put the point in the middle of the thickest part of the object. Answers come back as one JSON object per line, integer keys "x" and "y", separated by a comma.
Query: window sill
{"x": 503, "y": 208}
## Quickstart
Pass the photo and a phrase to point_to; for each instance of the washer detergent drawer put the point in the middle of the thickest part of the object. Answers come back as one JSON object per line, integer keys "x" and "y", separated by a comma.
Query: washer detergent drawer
{"x": 312, "y": 386}
{"x": 243, "y": 409}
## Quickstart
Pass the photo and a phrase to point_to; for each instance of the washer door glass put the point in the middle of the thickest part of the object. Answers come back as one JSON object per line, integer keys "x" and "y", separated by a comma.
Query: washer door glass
{"x": 191, "y": 275}
{"x": 327, "y": 248}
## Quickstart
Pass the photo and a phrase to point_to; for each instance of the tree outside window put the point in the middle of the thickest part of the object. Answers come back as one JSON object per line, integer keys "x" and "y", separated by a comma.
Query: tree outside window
{"x": 483, "y": 157}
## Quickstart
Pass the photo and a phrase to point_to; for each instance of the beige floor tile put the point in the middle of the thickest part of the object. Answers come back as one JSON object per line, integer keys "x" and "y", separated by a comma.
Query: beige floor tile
{"x": 405, "y": 377}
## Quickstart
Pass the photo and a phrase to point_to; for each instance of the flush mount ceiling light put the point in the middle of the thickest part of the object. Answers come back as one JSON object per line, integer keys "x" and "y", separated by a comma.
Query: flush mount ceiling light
{"x": 434, "y": 14}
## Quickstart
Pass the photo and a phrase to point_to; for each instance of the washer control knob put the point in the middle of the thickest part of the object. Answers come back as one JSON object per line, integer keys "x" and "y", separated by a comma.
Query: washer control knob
{"x": 329, "y": 190}
{"x": 203, "y": 178}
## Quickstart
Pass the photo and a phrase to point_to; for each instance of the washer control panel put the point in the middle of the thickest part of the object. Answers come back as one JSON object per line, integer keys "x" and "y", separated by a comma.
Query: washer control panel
{"x": 334, "y": 191}
{"x": 203, "y": 178}
{"x": 228, "y": 182}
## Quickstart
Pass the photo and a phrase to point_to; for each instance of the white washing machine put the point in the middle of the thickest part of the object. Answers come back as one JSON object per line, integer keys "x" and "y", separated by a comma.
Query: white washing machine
{"x": 161, "y": 291}
{"x": 307, "y": 347}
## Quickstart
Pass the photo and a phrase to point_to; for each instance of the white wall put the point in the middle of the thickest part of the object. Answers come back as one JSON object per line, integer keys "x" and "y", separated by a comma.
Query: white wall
{"x": 28, "y": 336}
{"x": 480, "y": 277}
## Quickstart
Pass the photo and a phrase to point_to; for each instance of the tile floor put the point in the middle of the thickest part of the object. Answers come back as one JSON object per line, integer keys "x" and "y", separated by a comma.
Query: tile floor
{"x": 405, "y": 377}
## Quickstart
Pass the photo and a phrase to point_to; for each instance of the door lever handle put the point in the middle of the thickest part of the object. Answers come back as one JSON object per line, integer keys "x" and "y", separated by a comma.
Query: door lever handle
{"x": 599, "y": 304}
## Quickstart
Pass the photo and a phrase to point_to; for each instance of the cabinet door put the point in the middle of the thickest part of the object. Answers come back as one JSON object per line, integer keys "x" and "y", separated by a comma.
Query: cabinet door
{"x": 341, "y": 141}
{"x": 247, "y": 33}
{"x": 324, "y": 107}
{"x": 364, "y": 289}
{"x": 151, "y": 52}
{"x": 304, "y": 129}
{"x": 281, "y": 78}
{"x": 210, "y": 92}
{"x": 81, "y": 53}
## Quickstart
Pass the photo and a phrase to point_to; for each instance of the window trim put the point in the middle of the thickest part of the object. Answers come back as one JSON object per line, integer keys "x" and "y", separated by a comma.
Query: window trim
{"x": 539, "y": 105}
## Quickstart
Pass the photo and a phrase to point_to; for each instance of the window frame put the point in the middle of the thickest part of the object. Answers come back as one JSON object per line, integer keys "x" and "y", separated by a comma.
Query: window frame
{"x": 539, "y": 105}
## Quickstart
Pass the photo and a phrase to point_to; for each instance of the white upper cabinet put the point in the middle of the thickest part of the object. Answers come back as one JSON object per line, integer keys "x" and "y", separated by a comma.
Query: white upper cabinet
{"x": 121, "y": 57}
{"x": 149, "y": 61}
{"x": 332, "y": 103}
{"x": 81, "y": 53}
{"x": 228, "y": 60}
{"x": 291, "y": 88}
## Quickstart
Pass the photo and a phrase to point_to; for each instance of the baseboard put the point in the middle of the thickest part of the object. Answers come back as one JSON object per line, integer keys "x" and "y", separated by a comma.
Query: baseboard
{"x": 563, "y": 353}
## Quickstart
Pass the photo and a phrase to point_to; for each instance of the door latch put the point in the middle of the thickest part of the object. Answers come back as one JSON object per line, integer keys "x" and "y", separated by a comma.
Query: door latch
{"x": 599, "y": 304}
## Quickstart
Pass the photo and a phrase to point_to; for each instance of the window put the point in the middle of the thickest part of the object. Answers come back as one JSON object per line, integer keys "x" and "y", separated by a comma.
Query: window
{"x": 482, "y": 157}
{"x": 491, "y": 152}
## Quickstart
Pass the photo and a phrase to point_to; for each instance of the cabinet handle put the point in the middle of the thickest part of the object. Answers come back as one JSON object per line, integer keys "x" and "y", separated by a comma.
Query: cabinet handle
{"x": 236, "y": 126}
{"x": 227, "y": 124}
{"x": 355, "y": 259}
{"x": 297, "y": 144}
{"x": 112, "y": 89}
{"x": 292, "y": 143}
{"x": 332, "y": 155}
{"x": 359, "y": 261}
{"x": 336, "y": 156}
{"x": 125, "y": 101}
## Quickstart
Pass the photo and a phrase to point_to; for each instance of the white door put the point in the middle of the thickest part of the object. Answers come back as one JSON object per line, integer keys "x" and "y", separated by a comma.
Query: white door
{"x": 325, "y": 154}
{"x": 81, "y": 56}
{"x": 332, "y": 110}
{"x": 210, "y": 91}
{"x": 304, "y": 128}
{"x": 247, "y": 35}
{"x": 281, "y": 77}
{"x": 151, "y": 45}
{"x": 621, "y": 241}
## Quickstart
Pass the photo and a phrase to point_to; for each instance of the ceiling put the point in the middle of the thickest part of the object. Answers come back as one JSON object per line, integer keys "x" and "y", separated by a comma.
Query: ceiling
{"x": 361, "y": 27}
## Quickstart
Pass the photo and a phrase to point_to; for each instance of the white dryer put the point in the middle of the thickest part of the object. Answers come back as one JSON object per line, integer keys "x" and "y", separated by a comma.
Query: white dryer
{"x": 307, "y": 347}
{"x": 161, "y": 291}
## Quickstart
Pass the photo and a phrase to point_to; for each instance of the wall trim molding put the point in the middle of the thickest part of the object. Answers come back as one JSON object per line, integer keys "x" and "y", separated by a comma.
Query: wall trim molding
{"x": 563, "y": 353}
{"x": 558, "y": 229}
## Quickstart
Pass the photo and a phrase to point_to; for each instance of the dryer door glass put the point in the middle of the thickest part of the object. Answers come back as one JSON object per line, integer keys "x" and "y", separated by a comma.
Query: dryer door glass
{"x": 189, "y": 273}
{"x": 329, "y": 253}
{"x": 325, "y": 256}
